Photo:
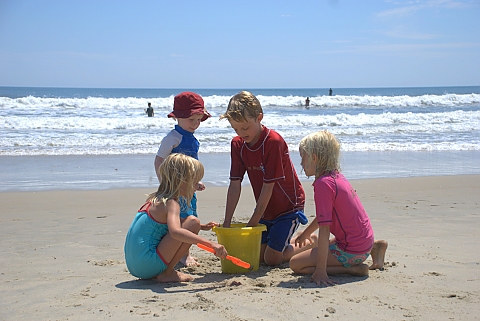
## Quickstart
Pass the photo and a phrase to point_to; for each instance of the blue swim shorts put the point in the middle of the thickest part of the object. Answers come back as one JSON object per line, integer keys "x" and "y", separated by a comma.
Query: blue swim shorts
{"x": 347, "y": 259}
{"x": 280, "y": 230}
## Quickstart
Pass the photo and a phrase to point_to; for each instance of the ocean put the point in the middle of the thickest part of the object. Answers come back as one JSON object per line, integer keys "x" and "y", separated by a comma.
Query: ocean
{"x": 384, "y": 132}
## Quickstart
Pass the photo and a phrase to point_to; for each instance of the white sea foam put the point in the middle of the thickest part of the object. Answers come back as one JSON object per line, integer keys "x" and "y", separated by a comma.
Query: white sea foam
{"x": 102, "y": 105}
{"x": 101, "y": 126}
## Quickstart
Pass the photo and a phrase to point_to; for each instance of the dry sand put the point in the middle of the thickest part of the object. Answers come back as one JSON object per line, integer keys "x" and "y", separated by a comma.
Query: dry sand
{"x": 62, "y": 259}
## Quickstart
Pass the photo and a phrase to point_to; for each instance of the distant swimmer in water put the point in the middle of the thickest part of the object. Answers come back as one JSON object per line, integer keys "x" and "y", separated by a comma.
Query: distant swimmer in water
{"x": 330, "y": 91}
{"x": 307, "y": 102}
{"x": 149, "y": 111}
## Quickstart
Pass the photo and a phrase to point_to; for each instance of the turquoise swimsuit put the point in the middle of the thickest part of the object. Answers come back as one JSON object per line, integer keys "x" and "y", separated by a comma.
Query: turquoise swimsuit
{"x": 141, "y": 254}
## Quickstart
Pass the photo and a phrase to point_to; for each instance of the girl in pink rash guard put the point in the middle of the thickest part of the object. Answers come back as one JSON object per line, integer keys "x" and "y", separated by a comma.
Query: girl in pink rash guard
{"x": 338, "y": 211}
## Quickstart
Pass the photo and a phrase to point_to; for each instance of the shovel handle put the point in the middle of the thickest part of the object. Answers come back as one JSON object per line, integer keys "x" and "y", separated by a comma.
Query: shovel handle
{"x": 234, "y": 260}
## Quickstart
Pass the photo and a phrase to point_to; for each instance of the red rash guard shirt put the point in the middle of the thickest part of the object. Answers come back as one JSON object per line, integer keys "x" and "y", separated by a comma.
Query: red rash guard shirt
{"x": 268, "y": 162}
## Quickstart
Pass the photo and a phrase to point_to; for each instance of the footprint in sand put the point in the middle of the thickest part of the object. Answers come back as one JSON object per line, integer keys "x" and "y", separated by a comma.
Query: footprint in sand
{"x": 105, "y": 262}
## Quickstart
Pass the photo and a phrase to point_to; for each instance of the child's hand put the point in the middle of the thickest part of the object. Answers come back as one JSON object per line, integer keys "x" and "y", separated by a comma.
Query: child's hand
{"x": 322, "y": 279}
{"x": 302, "y": 239}
{"x": 208, "y": 226}
{"x": 200, "y": 186}
{"x": 220, "y": 250}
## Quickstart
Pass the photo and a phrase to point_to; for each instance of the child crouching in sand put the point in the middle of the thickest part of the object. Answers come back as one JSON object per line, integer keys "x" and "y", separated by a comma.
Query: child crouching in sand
{"x": 157, "y": 239}
{"x": 338, "y": 211}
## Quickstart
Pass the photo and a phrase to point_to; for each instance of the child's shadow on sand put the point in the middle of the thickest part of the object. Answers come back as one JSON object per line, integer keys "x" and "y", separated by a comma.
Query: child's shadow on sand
{"x": 157, "y": 287}
{"x": 215, "y": 281}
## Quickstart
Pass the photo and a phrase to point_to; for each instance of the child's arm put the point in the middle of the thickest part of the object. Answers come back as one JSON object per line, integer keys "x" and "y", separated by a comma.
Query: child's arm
{"x": 320, "y": 275}
{"x": 183, "y": 235}
{"x": 158, "y": 161}
{"x": 168, "y": 143}
{"x": 263, "y": 199}
{"x": 233, "y": 195}
{"x": 302, "y": 238}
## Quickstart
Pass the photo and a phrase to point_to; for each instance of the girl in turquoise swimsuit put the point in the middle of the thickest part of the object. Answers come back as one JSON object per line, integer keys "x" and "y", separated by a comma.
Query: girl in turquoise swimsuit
{"x": 157, "y": 239}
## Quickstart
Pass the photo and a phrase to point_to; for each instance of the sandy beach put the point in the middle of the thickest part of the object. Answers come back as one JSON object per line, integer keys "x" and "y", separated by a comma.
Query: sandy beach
{"x": 62, "y": 259}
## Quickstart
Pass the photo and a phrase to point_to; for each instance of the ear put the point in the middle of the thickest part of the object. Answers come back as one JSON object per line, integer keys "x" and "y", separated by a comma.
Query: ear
{"x": 314, "y": 158}
{"x": 260, "y": 117}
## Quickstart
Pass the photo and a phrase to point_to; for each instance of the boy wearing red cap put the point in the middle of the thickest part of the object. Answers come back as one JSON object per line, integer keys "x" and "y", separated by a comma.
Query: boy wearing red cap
{"x": 189, "y": 111}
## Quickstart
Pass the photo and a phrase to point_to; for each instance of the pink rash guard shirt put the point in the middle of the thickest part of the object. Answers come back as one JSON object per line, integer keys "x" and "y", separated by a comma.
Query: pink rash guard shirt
{"x": 337, "y": 204}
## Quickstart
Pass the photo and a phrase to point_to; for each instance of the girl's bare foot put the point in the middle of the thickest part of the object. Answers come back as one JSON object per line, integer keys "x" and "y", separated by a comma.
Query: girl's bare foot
{"x": 378, "y": 254}
{"x": 174, "y": 276}
{"x": 189, "y": 260}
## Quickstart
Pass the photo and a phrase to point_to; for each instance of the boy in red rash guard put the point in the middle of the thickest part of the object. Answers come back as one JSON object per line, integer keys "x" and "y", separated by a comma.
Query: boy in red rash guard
{"x": 279, "y": 195}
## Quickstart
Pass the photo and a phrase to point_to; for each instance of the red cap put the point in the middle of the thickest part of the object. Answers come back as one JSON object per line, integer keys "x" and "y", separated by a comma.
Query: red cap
{"x": 187, "y": 104}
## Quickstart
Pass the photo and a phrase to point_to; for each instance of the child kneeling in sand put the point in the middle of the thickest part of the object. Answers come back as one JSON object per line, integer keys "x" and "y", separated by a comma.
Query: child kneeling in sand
{"x": 338, "y": 211}
{"x": 157, "y": 239}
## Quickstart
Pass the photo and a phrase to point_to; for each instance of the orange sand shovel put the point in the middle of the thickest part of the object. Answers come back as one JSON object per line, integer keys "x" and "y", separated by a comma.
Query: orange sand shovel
{"x": 234, "y": 260}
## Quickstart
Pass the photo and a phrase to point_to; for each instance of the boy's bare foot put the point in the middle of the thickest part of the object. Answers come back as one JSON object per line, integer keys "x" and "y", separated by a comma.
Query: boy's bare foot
{"x": 175, "y": 276}
{"x": 189, "y": 260}
{"x": 378, "y": 254}
{"x": 359, "y": 270}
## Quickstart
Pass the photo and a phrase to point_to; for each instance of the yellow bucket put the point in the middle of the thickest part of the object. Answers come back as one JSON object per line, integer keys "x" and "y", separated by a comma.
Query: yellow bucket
{"x": 242, "y": 242}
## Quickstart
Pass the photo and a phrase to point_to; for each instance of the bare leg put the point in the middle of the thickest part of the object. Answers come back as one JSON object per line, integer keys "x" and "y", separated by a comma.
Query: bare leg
{"x": 174, "y": 276}
{"x": 378, "y": 254}
{"x": 292, "y": 250}
{"x": 189, "y": 260}
{"x": 355, "y": 270}
{"x": 306, "y": 263}
{"x": 170, "y": 275}
{"x": 272, "y": 257}
{"x": 167, "y": 247}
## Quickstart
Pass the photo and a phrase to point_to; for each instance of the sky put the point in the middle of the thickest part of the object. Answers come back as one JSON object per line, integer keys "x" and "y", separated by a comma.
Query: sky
{"x": 239, "y": 44}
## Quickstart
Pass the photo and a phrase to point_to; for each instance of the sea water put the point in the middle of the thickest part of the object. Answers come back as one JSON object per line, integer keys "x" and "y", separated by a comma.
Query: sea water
{"x": 420, "y": 124}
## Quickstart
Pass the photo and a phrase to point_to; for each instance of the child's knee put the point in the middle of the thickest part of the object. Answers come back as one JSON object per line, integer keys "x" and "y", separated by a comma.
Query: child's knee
{"x": 293, "y": 263}
{"x": 272, "y": 257}
{"x": 191, "y": 223}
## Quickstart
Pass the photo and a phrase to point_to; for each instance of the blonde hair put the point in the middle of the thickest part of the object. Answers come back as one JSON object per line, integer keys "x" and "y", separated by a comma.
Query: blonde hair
{"x": 177, "y": 173}
{"x": 243, "y": 105}
{"x": 326, "y": 148}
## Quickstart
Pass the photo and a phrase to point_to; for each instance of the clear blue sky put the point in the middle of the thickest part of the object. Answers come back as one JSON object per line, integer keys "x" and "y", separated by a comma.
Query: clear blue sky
{"x": 239, "y": 44}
